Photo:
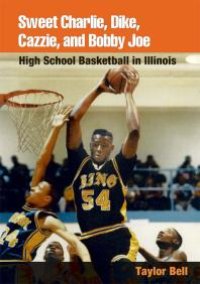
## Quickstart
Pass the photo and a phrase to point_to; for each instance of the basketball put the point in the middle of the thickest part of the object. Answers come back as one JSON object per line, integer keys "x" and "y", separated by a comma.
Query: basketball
{"x": 115, "y": 78}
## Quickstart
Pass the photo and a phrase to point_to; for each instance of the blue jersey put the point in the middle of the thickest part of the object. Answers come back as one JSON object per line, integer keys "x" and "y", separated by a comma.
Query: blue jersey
{"x": 23, "y": 235}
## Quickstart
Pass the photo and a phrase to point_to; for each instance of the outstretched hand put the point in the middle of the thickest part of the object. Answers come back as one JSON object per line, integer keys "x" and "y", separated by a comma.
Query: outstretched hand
{"x": 131, "y": 77}
{"x": 132, "y": 80}
{"x": 61, "y": 117}
{"x": 105, "y": 86}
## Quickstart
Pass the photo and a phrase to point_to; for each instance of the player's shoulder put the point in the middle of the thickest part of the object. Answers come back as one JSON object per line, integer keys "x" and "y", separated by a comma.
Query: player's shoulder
{"x": 44, "y": 214}
{"x": 120, "y": 158}
{"x": 77, "y": 153}
{"x": 179, "y": 255}
{"x": 77, "y": 149}
{"x": 49, "y": 222}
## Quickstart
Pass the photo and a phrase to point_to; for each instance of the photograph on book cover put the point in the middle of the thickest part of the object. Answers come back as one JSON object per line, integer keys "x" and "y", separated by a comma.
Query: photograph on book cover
{"x": 163, "y": 186}
{"x": 99, "y": 119}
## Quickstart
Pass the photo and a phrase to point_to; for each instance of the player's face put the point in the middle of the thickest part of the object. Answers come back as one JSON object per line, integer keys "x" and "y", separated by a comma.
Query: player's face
{"x": 101, "y": 148}
{"x": 167, "y": 236}
{"x": 54, "y": 252}
{"x": 39, "y": 195}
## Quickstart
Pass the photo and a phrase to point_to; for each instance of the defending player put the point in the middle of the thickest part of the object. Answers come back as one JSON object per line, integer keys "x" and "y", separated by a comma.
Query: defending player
{"x": 27, "y": 229}
{"x": 169, "y": 242}
{"x": 99, "y": 185}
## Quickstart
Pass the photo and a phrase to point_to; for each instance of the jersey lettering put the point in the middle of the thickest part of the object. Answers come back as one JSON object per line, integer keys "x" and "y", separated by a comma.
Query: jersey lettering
{"x": 102, "y": 200}
{"x": 10, "y": 238}
{"x": 20, "y": 219}
{"x": 99, "y": 179}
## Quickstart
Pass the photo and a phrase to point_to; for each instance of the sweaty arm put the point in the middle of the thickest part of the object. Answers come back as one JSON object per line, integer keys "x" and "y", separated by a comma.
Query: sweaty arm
{"x": 74, "y": 135}
{"x": 45, "y": 155}
{"x": 56, "y": 226}
{"x": 129, "y": 146}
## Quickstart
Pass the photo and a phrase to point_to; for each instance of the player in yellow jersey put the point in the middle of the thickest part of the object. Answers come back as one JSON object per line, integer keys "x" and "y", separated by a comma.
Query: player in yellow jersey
{"x": 99, "y": 185}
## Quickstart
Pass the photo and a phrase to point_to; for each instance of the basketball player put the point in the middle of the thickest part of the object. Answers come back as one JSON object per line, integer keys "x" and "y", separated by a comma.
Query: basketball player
{"x": 27, "y": 229}
{"x": 169, "y": 242}
{"x": 54, "y": 252}
{"x": 54, "y": 270}
{"x": 57, "y": 271}
{"x": 99, "y": 185}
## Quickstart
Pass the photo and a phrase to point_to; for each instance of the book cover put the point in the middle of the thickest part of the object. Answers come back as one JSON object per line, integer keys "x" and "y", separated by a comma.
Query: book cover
{"x": 59, "y": 51}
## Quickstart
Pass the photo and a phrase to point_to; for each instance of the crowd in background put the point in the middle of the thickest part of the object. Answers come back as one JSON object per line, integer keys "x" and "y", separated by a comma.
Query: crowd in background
{"x": 15, "y": 182}
{"x": 149, "y": 187}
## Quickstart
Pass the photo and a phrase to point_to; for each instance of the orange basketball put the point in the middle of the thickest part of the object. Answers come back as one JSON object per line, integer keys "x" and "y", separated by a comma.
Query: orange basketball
{"x": 115, "y": 78}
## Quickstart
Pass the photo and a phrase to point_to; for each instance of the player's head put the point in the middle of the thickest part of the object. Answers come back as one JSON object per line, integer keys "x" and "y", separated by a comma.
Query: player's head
{"x": 14, "y": 160}
{"x": 54, "y": 252}
{"x": 169, "y": 238}
{"x": 101, "y": 145}
{"x": 41, "y": 195}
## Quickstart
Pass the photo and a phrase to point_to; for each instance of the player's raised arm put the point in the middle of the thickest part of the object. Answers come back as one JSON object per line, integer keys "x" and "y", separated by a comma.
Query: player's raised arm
{"x": 130, "y": 144}
{"x": 149, "y": 256}
{"x": 45, "y": 155}
{"x": 74, "y": 135}
{"x": 56, "y": 226}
